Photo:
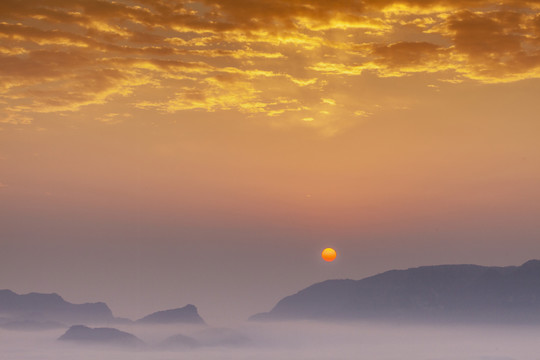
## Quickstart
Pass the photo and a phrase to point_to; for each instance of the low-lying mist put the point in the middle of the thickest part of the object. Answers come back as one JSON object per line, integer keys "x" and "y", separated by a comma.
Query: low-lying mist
{"x": 290, "y": 340}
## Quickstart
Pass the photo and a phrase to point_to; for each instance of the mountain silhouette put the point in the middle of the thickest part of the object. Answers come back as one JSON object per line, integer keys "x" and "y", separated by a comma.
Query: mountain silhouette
{"x": 187, "y": 314}
{"x": 102, "y": 336}
{"x": 431, "y": 293}
{"x": 42, "y": 308}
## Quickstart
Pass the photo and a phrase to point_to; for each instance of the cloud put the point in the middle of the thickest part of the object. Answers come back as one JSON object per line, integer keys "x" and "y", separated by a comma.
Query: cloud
{"x": 404, "y": 58}
{"x": 220, "y": 92}
{"x": 406, "y": 54}
{"x": 283, "y": 14}
{"x": 498, "y": 45}
{"x": 114, "y": 118}
{"x": 269, "y": 57}
{"x": 51, "y": 81}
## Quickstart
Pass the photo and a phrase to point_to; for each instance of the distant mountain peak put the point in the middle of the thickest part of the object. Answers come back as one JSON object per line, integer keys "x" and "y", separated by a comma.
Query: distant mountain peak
{"x": 532, "y": 263}
{"x": 187, "y": 314}
{"x": 107, "y": 336}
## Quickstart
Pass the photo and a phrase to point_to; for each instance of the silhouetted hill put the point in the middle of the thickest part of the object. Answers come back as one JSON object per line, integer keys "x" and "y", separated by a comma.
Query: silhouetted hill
{"x": 445, "y": 293}
{"x": 188, "y": 315}
{"x": 51, "y": 307}
{"x": 103, "y": 336}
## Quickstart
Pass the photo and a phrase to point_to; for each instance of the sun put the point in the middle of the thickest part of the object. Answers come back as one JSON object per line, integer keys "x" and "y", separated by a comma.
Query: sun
{"x": 328, "y": 254}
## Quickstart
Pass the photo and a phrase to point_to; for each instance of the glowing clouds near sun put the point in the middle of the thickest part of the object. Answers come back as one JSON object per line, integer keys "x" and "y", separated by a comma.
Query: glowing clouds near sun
{"x": 328, "y": 254}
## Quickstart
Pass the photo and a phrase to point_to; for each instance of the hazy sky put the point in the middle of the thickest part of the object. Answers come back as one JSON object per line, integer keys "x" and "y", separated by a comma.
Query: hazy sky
{"x": 156, "y": 153}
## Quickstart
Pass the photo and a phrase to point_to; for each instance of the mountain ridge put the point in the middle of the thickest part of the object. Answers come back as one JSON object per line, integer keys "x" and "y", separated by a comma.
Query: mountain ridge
{"x": 438, "y": 292}
{"x": 47, "y": 310}
{"x": 51, "y": 307}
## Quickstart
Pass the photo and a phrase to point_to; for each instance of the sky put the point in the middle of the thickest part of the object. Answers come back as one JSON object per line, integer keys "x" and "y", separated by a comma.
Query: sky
{"x": 159, "y": 153}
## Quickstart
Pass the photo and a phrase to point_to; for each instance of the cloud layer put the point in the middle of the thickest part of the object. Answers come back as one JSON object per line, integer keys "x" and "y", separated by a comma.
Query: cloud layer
{"x": 271, "y": 58}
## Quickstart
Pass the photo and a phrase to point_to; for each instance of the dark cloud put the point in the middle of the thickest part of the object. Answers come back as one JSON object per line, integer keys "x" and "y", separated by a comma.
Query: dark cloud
{"x": 486, "y": 35}
{"x": 42, "y": 64}
{"x": 496, "y": 43}
{"x": 407, "y": 54}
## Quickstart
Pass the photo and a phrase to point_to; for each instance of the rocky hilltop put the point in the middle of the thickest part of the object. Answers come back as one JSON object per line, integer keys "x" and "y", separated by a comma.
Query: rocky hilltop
{"x": 100, "y": 336}
{"x": 187, "y": 314}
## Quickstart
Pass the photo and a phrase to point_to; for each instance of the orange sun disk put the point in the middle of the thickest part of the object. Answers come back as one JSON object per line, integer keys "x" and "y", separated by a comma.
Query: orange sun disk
{"x": 328, "y": 254}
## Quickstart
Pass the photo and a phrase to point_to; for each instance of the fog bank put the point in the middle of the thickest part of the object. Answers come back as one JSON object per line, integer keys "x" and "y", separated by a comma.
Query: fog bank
{"x": 296, "y": 340}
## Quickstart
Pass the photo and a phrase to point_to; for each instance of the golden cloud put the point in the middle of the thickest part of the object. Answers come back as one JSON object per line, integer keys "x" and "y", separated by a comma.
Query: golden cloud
{"x": 269, "y": 57}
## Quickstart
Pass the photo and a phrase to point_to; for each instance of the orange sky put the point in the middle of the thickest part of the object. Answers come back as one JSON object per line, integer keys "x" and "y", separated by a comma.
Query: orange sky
{"x": 218, "y": 146}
